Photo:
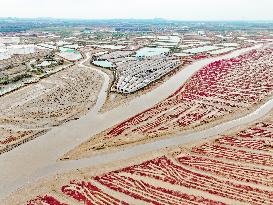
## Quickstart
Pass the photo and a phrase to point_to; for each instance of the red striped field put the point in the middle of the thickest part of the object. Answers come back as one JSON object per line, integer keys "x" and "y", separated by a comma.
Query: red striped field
{"x": 234, "y": 168}
{"x": 214, "y": 94}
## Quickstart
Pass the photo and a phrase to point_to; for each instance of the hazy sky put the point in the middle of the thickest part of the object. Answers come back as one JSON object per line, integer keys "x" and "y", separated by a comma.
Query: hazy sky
{"x": 169, "y": 9}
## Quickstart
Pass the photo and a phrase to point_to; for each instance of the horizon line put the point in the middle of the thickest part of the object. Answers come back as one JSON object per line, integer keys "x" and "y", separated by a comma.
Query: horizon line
{"x": 156, "y": 18}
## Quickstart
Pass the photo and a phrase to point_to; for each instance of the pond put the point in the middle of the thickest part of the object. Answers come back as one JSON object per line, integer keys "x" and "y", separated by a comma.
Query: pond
{"x": 68, "y": 50}
{"x": 148, "y": 51}
{"x": 104, "y": 64}
{"x": 70, "y": 54}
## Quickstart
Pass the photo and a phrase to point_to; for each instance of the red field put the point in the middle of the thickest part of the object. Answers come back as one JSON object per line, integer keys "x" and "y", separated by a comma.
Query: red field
{"x": 228, "y": 170}
{"x": 216, "y": 90}
{"x": 231, "y": 169}
{"x": 163, "y": 169}
{"x": 89, "y": 194}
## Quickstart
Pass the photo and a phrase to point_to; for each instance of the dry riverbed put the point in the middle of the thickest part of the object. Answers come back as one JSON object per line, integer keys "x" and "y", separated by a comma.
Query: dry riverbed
{"x": 35, "y": 109}
{"x": 236, "y": 166}
{"x": 220, "y": 91}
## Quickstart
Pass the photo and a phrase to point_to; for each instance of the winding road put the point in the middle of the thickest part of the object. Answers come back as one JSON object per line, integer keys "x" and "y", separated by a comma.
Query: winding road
{"x": 38, "y": 158}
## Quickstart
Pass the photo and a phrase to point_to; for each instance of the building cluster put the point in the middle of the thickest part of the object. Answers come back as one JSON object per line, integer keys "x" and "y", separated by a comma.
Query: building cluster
{"x": 137, "y": 74}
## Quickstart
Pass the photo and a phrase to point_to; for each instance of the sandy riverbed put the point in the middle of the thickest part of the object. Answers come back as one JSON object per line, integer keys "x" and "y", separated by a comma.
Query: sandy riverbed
{"x": 35, "y": 109}
{"x": 177, "y": 154}
{"x": 46, "y": 149}
{"x": 216, "y": 109}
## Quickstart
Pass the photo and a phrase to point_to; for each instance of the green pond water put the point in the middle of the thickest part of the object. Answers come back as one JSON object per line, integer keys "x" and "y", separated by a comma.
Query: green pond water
{"x": 104, "y": 64}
